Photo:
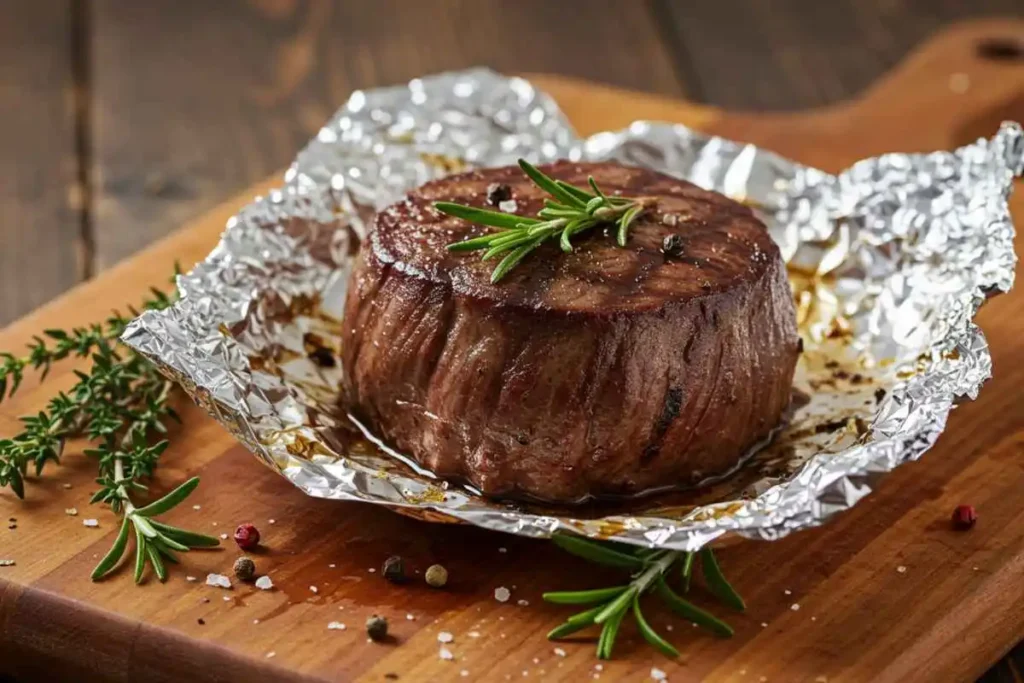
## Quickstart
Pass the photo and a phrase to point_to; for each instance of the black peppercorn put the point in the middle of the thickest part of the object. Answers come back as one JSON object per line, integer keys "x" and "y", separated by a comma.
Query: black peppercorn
{"x": 498, "y": 193}
{"x": 394, "y": 569}
{"x": 672, "y": 245}
{"x": 377, "y": 627}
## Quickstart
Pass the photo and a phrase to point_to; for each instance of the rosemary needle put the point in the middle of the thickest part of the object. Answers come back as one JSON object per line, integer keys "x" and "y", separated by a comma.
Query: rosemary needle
{"x": 571, "y": 210}
{"x": 650, "y": 569}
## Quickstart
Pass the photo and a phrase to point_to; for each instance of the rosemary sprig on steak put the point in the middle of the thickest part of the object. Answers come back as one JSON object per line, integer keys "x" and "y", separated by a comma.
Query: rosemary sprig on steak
{"x": 570, "y": 211}
{"x": 650, "y": 568}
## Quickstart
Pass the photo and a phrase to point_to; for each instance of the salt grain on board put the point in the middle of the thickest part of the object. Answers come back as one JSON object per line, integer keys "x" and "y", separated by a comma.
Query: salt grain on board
{"x": 473, "y": 634}
{"x": 191, "y": 579}
{"x": 523, "y": 603}
{"x": 227, "y": 598}
{"x": 314, "y": 589}
{"x": 90, "y": 522}
{"x": 71, "y": 512}
{"x": 463, "y": 673}
{"x": 445, "y": 654}
{"x": 272, "y": 521}
{"x": 6, "y": 563}
{"x": 270, "y": 655}
{"x": 264, "y": 583}
{"x": 445, "y": 637}
{"x": 255, "y": 621}
{"x": 218, "y": 580}
{"x": 223, "y": 537}
{"x": 795, "y": 607}
{"x": 502, "y": 594}
{"x": 657, "y": 674}
{"x": 559, "y": 652}
{"x": 901, "y": 569}
{"x": 197, "y": 507}
{"x": 410, "y": 617}
{"x": 335, "y": 626}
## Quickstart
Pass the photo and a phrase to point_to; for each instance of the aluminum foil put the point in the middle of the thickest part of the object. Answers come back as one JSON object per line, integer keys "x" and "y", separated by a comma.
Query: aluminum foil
{"x": 889, "y": 262}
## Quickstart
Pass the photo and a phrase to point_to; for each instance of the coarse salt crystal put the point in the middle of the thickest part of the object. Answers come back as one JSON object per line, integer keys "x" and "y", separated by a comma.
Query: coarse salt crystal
{"x": 536, "y": 660}
{"x": 314, "y": 589}
{"x": 264, "y": 583}
{"x": 657, "y": 674}
{"x": 270, "y": 655}
{"x": 559, "y": 652}
{"x": 90, "y": 522}
{"x": 71, "y": 511}
{"x": 65, "y": 486}
{"x": 901, "y": 569}
{"x": 814, "y": 618}
{"x": 218, "y": 580}
{"x": 669, "y": 627}
{"x": 764, "y": 624}
{"x": 463, "y": 673}
{"x": 335, "y": 626}
{"x": 255, "y": 621}
{"x": 473, "y": 634}
{"x": 372, "y": 570}
{"x": 788, "y": 592}
{"x": 6, "y": 563}
{"x": 445, "y": 654}
{"x": 795, "y": 607}
{"x": 445, "y": 637}
{"x": 191, "y": 579}
{"x": 271, "y": 521}
{"x": 508, "y": 206}
{"x": 227, "y": 598}
{"x": 599, "y": 667}
{"x": 410, "y": 617}
{"x": 332, "y": 565}
{"x": 223, "y": 537}
{"x": 502, "y": 594}
{"x": 523, "y": 603}
{"x": 197, "y": 507}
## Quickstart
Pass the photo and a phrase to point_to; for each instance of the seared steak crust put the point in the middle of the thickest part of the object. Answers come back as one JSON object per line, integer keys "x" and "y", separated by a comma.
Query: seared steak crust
{"x": 605, "y": 371}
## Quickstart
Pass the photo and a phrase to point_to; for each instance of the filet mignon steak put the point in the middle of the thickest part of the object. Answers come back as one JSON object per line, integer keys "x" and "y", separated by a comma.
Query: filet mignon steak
{"x": 605, "y": 371}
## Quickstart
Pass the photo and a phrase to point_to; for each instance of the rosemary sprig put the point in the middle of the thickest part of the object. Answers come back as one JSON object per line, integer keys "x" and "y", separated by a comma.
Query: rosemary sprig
{"x": 570, "y": 211}
{"x": 121, "y": 405}
{"x": 650, "y": 568}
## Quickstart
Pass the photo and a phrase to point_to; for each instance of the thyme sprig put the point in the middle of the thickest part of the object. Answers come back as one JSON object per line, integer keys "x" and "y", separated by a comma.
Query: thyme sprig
{"x": 650, "y": 568}
{"x": 570, "y": 211}
{"x": 122, "y": 405}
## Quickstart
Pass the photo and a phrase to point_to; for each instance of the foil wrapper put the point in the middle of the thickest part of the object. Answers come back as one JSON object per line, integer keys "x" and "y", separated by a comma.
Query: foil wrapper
{"x": 889, "y": 262}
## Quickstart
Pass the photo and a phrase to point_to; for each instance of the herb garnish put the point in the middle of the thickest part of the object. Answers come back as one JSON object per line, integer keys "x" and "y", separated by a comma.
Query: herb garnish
{"x": 571, "y": 210}
{"x": 121, "y": 404}
{"x": 650, "y": 568}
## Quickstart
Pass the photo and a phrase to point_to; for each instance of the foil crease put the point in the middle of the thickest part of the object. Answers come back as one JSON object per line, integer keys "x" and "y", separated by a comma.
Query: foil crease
{"x": 889, "y": 261}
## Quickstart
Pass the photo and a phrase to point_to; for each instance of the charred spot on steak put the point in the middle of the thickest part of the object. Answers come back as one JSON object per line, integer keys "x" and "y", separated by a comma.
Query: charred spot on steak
{"x": 607, "y": 370}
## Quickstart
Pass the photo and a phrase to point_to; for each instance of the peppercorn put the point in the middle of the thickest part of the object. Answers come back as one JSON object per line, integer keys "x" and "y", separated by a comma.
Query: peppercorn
{"x": 964, "y": 517}
{"x": 672, "y": 245}
{"x": 377, "y": 627}
{"x": 436, "y": 576}
{"x": 247, "y": 536}
{"x": 394, "y": 569}
{"x": 498, "y": 193}
{"x": 245, "y": 569}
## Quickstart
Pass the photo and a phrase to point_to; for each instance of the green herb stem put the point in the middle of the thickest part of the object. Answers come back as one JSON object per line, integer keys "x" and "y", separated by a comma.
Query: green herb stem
{"x": 571, "y": 210}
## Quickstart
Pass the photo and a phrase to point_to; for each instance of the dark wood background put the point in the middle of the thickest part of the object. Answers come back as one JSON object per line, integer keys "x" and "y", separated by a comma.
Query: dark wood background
{"x": 120, "y": 119}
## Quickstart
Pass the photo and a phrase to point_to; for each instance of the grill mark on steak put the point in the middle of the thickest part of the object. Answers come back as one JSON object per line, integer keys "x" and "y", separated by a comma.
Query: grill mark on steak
{"x": 669, "y": 411}
{"x": 609, "y": 370}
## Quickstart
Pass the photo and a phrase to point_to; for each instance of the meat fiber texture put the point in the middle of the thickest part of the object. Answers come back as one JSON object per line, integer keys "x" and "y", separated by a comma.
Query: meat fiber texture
{"x": 603, "y": 372}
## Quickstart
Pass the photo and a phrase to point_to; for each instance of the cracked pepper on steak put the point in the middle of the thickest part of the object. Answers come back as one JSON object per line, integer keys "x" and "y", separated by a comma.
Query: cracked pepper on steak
{"x": 609, "y": 370}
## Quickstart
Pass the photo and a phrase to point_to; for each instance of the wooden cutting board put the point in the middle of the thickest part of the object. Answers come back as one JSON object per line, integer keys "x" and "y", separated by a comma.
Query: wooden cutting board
{"x": 955, "y": 609}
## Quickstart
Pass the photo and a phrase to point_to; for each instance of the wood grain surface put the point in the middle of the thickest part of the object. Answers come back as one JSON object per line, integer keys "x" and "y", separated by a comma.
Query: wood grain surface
{"x": 954, "y": 611}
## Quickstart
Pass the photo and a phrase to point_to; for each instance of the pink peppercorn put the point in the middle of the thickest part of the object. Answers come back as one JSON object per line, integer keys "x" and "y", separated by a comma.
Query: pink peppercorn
{"x": 247, "y": 536}
{"x": 964, "y": 517}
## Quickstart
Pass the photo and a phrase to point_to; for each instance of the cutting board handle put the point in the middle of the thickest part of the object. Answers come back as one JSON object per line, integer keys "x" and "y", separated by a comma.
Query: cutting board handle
{"x": 964, "y": 81}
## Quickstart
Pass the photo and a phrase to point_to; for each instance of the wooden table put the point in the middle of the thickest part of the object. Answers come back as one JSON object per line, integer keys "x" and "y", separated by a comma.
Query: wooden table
{"x": 122, "y": 119}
